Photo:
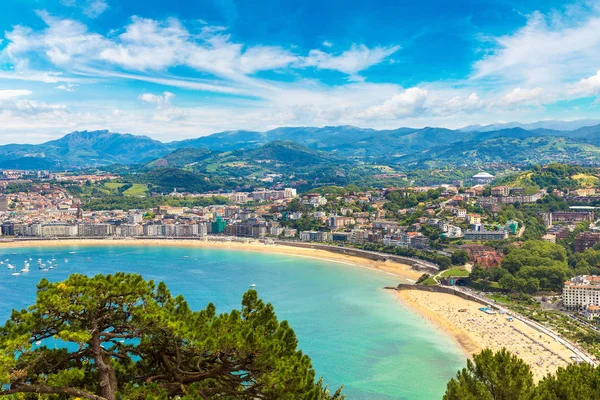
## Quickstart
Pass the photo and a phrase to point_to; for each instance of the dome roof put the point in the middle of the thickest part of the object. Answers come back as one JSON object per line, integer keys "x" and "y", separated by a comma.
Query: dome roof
{"x": 483, "y": 175}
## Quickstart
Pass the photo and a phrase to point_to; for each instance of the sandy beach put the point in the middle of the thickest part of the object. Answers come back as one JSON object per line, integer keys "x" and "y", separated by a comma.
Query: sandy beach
{"x": 475, "y": 330}
{"x": 402, "y": 271}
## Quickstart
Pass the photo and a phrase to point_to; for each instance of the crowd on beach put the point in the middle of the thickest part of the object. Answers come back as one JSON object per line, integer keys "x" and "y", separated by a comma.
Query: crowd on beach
{"x": 476, "y": 330}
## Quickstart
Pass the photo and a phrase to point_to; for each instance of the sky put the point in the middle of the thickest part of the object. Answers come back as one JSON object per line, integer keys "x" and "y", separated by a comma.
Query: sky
{"x": 186, "y": 68}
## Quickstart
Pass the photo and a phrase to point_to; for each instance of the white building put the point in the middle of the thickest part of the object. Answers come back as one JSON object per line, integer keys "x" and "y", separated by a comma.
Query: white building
{"x": 482, "y": 178}
{"x": 581, "y": 292}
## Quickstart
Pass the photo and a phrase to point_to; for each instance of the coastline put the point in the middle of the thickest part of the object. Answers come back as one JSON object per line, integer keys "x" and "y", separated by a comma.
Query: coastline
{"x": 398, "y": 270}
{"x": 474, "y": 330}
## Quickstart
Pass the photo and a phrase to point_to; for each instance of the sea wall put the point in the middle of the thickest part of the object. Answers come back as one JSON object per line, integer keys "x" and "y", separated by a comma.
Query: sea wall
{"x": 444, "y": 289}
{"x": 415, "y": 263}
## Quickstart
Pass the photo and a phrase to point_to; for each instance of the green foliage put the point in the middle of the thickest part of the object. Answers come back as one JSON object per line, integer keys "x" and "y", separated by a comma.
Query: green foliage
{"x": 423, "y": 278}
{"x": 442, "y": 261}
{"x": 460, "y": 257}
{"x": 492, "y": 376}
{"x": 132, "y": 339}
{"x": 503, "y": 376}
{"x": 544, "y": 261}
{"x": 575, "y": 382}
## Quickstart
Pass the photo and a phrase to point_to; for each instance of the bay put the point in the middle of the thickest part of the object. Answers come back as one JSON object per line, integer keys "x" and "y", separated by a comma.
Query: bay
{"x": 356, "y": 333}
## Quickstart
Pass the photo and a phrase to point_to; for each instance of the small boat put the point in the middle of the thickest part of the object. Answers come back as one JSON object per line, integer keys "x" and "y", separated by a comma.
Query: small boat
{"x": 72, "y": 252}
{"x": 30, "y": 259}
{"x": 89, "y": 259}
{"x": 16, "y": 274}
{"x": 53, "y": 259}
{"x": 45, "y": 270}
{"x": 10, "y": 266}
{"x": 253, "y": 285}
{"x": 66, "y": 260}
{"x": 39, "y": 342}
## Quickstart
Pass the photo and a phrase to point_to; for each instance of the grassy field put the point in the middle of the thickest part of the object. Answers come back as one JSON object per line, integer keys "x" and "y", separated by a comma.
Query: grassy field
{"x": 137, "y": 190}
{"x": 455, "y": 272}
{"x": 113, "y": 185}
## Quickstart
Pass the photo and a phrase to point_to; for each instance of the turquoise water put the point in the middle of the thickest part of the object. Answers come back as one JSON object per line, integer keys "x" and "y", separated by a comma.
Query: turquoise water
{"x": 356, "y": 333}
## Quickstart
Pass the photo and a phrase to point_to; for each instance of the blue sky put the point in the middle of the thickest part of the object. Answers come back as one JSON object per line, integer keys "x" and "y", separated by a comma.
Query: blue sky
{"x": 185, "y": 68}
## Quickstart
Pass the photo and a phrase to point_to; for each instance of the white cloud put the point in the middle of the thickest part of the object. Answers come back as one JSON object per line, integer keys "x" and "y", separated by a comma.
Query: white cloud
{"x": 407, "y": 103}
{"x": 9, "y": 94}
{"x": 69, "y": 87}
{"x": 147, "y": 45}
{"x": 95, "y": 7}
{"x": 90, "y": 8}
{"x": 520, "y": 96}
{"x": 468, "y": 104}
{"x": 327, "y": 44}
{"x": 163, "y": 100}
{"x": 587, "y": 86}
{"x": 352, "y": 61}
{"x": 547, "y": 50}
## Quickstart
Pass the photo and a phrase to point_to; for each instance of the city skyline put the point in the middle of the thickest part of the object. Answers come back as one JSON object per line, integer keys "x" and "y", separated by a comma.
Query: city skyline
{"x": 179, "y": 70}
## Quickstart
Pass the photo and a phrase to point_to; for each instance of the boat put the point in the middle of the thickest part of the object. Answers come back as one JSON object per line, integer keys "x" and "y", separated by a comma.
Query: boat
{"x": 25, "y": 270}
{"x": 10, "y": 266}
{"x": 16, "y": 274}
{"x": 1, "y": 262}
{"x": 89, "y": 259}
{"x": 253, "y": 285}
{"x": 39, "y": 342}
{"x": 53, "y": 259}
{"x": 66, "y": 260}
{"x": 72, "y": 252}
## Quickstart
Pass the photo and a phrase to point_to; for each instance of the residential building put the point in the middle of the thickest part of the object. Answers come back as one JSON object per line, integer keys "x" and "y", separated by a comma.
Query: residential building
{"x": 581, "y": 292}
{"x": 484, "y": 235}
{"x": 586, "y": 240}
{"x": 572, "y": 216}
{"x": 314, "y": 236}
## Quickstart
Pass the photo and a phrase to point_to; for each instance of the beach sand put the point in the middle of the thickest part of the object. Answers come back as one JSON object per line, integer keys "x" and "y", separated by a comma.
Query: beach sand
{"x": 398, "y": 270}
{"x": 474, "y": 330}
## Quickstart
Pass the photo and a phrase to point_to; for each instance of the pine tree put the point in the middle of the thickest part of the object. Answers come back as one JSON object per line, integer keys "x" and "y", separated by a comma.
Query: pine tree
{"x": 121, "y": 337}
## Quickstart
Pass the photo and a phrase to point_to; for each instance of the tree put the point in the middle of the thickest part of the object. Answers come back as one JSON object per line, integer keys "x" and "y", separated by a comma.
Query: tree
{"x": 128, "y": 338}
{"x": 492, "y": 376}
{"x": 460, "y": 257}
{"x": 575, "y": 382}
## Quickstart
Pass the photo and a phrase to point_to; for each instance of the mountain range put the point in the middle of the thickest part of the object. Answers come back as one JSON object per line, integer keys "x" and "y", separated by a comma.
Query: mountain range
{"x": 302, "y": 146}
